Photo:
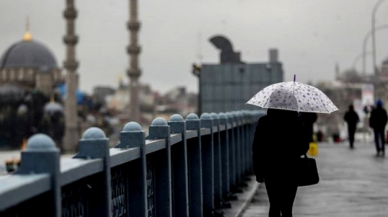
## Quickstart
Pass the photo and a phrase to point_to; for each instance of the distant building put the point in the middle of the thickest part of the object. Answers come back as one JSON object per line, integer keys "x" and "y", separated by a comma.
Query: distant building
{"x": 152, "y": 103}
{"x": 229, "y": 85}
{"x": 29, "y": 76}
{"x": 29, "y": 65}
{"x": 353, "y": 88}
{"x": 101, "y": 92}
{"x": 177, "y": 101}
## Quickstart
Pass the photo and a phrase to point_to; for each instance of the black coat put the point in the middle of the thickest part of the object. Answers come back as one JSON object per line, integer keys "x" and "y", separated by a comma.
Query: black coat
{"x": 308, "y": 119}
{"x": 351, "y": 117}
{"x": 280, "y": 139}
{"x": 378, "y": 119}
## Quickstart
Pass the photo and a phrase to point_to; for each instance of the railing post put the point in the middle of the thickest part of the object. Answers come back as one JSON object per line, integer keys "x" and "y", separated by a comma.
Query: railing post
{"x": 195, "y": 166}
{"x": 159, "y": 129}
{"x": 207, "y": 166}
{"x": 232, "y": 153}
{"x": 95, "y": 145}
{"x": 245, "y": 145}
{"x": 225, "y": 161}
{"x": 133, "y": 136}
{"x": 41, "y": 156}
{"x": 251, "y": 131}
{"x": 255, "y": 117}
{"x": 218, "y": 200}
{"x": 179, "y": 168}
{"x": 239, "y": 147}
{"x": 248, "y": 151}
{"x": 252, "y": 127}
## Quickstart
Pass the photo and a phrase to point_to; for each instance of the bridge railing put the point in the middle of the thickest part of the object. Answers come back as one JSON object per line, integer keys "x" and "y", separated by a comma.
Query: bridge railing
{"x": 182, "y": 168}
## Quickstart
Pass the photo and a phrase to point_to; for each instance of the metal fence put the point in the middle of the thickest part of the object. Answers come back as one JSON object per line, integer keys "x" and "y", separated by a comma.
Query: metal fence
{"x": 182, "y": 168}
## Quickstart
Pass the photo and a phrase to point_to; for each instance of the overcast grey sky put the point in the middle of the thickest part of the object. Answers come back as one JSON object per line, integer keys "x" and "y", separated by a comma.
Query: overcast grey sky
{"x": 311, "y": 35}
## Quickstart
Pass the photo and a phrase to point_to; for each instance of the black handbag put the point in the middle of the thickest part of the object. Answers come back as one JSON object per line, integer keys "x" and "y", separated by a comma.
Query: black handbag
{"x": 307, "y": 172}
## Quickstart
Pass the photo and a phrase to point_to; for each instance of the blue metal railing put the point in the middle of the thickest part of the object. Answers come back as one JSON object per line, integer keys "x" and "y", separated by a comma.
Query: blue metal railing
{"x": 182, "y": 168}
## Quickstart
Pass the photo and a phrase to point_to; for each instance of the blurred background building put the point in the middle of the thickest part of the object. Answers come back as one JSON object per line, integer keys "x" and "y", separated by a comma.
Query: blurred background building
{"x": 29, "y": 76}
{"x": 353, "y": 87}
{"x": 29, "y": 65}
{"x": 227, "y": 86}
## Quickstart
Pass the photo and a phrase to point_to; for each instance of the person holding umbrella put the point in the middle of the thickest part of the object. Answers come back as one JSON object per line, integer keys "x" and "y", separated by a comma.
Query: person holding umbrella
{"x": 275, "y": 157}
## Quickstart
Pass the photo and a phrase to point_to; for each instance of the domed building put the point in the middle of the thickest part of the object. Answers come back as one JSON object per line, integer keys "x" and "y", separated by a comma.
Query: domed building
{"x": 29, "y": 65}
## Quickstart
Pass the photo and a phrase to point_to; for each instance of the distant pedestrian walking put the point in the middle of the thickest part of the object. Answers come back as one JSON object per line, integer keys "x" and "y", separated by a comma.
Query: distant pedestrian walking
{"x": 351, "y": 118}
{"x": 278, "y": 144}
{"x": 378, "y": 120}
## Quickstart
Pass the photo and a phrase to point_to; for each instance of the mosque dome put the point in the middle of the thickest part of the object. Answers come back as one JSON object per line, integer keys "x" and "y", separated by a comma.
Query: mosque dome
{"x": 28, "y": 53}
{"x": 29, "y": 64}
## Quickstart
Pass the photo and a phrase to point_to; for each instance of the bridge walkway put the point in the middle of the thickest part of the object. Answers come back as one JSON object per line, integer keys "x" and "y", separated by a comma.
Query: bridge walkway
{"x": 354, "y": 183}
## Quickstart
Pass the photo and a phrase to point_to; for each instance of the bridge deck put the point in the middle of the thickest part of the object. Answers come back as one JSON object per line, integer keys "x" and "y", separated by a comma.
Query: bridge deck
{"x": 354, "y": 183}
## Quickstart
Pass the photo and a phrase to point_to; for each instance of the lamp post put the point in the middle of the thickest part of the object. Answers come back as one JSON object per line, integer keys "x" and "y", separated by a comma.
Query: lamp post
{"x": 376, "y": 6}
{"x": 196, "y": 70}
{"x": 366, "y": 38}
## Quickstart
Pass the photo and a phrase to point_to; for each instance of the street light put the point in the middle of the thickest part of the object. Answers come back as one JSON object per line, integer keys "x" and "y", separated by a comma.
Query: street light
{"x": 366, "y": 38}
{"x": 376, "y": 6}
{"x": 196, "y": 70}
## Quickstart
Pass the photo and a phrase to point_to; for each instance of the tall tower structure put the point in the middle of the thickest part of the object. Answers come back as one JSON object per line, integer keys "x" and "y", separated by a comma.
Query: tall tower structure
{"x": 70, "y": 64}
{"x": 134, "y": 50}
{"x": 27, "y": 35}
{"x": 337, "y": 72}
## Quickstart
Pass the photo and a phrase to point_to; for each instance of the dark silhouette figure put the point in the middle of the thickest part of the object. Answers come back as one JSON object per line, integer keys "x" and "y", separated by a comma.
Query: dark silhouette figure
{"x": 378, "y": 120}
{"x": 351, "y": 119}
{"x": 308, "y": 120}
{"x": 280, "y": 140}
{"x": 320, "y": 136}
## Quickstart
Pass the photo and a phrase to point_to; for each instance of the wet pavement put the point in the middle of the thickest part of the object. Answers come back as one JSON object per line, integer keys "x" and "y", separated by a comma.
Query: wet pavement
{"x": 353, "y": 183}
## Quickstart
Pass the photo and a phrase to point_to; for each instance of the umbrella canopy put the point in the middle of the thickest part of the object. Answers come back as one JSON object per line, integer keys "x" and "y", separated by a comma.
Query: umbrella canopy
{"x": 79, "y": 94}
{"x": 9, "y": 89}
{"x": 293, "y": 96}
{"x": 10, "y": 93}
{"x": 52, "y": 107}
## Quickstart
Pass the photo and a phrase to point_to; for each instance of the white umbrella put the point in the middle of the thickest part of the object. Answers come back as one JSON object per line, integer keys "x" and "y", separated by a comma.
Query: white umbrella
{"x": 293, "y": 96}
{"x": 53, "y": 107}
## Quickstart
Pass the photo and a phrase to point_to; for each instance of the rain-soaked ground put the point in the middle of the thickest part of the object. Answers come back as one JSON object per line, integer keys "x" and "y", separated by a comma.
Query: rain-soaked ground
{"x": 354, "y": 183}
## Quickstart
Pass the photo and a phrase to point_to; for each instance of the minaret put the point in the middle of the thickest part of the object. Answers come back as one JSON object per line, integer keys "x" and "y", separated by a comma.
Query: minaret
{"x": 27, "y": 35}
{"x": 70, "y": 64}
{"x": 337, "y": 72}
{"x": 134, "y": 72}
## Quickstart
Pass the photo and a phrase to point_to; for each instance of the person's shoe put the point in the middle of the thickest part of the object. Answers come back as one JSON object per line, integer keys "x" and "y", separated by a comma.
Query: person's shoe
{"x": 377, "y": 154}
{"x": 383, "y": 154}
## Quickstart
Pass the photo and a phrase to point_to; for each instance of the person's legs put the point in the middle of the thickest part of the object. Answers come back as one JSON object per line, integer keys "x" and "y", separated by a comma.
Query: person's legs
{"x": 289, "y": 193}
{"x": 351, "y": 132}
{"x": 382, "y": 141}
{"x": 274, "y": 196}
{"x": 377, "y": 141}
